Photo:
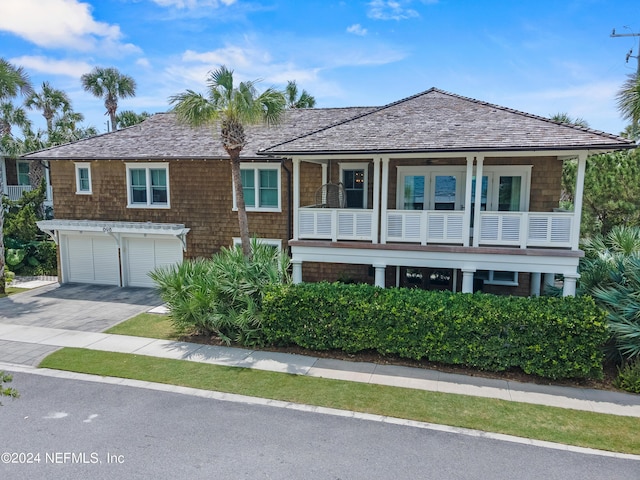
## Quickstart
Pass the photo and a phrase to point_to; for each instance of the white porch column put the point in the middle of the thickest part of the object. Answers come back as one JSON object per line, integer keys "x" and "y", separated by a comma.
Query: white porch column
{"x": 577, "y": 201}
{"x": 296, "y": 198}
{"x": 3, "y": 176}
{"x": 296, "y": 271}
{"x": 379, "y": 275}
{"x": 467, "y": 279}
{"x": 478, "y": 199}
{"x": 375, "y": 227}
{"x": 569, "y": 288}
{"x": 466, "y": 221}
{"x": 549, "y": 280}
{"x": 325, "y": 174}
{"x": 534, "y": 286}
{"x": 384, "y": 199}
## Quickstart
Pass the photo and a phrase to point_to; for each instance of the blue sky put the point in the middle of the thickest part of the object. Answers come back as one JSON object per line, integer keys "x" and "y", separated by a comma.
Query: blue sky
{"x": 539, "y": 56}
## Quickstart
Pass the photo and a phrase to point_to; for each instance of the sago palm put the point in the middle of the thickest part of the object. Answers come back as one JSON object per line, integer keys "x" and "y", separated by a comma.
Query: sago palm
{"x": 232, "y": 108}
{"x": 110, "y": 84}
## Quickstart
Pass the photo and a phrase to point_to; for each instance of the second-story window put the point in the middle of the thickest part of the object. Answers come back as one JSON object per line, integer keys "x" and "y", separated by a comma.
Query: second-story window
{"x": 148, "y": 185}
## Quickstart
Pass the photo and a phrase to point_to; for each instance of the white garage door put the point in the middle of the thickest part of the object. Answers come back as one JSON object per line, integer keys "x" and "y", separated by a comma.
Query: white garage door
{"x": 145, "y": 254}
{"x": 92, "y": 259}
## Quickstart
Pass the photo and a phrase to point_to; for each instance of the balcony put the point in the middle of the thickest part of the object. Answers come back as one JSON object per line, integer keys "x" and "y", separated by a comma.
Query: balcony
{"x": 14, "y": 192}
{"x": 506, "y": 229}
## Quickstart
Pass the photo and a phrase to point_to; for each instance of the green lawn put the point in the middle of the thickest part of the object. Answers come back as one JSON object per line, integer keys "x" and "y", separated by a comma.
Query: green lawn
{"x": 149, "y": 325}
{"x": 12, "y": 290}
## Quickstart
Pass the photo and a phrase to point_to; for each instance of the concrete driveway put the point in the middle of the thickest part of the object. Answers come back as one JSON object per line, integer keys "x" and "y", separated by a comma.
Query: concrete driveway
{"x": 91, "y": 308}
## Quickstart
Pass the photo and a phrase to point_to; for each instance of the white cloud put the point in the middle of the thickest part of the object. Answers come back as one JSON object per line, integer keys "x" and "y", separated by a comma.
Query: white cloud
{"x": 193, "y": 4}
{"x": 357, "y": 29}
{"x": 391, "y": 10}
{"x": 61, "y": 23}
{"x": 143, "y": 62}
{"x": 67, "y": 68}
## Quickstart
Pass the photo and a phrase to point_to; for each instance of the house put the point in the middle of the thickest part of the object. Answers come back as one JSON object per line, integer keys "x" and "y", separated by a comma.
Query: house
{"x": 15, "y": 179}
{"x": 385, "y": 195}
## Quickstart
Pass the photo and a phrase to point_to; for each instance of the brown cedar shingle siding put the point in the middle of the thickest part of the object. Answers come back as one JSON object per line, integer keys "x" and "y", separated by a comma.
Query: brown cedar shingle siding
{"x": 200, "y": 198}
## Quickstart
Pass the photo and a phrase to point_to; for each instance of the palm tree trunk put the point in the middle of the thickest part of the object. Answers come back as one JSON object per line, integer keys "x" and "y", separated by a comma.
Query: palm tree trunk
{"x": 243, "y": 222}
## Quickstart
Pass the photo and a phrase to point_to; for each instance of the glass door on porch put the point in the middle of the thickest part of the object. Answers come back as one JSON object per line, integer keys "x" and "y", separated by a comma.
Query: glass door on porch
{"x": 432, "y": 192}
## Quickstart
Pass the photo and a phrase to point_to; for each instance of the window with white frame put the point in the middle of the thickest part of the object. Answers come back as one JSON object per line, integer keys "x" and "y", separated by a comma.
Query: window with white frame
{"x": 272, "y": 242}
{"x": 147, "y": 185}
{"x": 354, "y": 180}
{"x": 83, "y": 179}
{"x": 23, "y": 172}
{"x": 260, "y": 186}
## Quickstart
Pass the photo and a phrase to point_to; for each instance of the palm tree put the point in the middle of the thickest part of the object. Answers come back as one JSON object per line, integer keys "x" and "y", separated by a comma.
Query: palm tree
{"x": 49, "y": 101}
{"x": 128, "y": 118}
{"x": 13, "y": 81}
{"x": 305, "y": 100}
{"x": 233, "y": 107}
{"x": 629, "y": 102}
{"x": 564, "y": 117}
{"x": 110, "y": 84}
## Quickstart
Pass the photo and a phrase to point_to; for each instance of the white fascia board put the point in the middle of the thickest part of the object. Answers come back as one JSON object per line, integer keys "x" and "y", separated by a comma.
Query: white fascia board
{"x": 477, "y": 261}
{"x": 173, "y": 229}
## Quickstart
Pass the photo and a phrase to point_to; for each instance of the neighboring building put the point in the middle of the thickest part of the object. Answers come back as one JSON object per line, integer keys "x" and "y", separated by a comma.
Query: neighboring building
{"x": 14, "y": 179}
{"x": 384, "y": 195}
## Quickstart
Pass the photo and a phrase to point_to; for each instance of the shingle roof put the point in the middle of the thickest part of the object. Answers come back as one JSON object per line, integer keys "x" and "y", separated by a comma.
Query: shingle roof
{"x": 432, "y": 121}
{"x": 162, "y": 137}
{"x": 438, "y": 121}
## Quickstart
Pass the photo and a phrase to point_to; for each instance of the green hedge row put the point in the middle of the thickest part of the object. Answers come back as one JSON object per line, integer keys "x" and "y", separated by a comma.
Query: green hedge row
{"x": 550, "y": 337}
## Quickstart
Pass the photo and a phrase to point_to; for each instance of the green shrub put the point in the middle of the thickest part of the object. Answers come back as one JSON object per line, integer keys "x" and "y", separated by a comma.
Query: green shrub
{"x": 546, "y": 336}
{"x": 222, "y": 296}
{"x": 629, "y": 377}
{"x": 32, "y": 257}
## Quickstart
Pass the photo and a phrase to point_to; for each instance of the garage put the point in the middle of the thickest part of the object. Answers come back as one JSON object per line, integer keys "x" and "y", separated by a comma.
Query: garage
{"x": 114, "y": 253}
{"x": 91, "y": 259}
{"x": 144, "y": 255}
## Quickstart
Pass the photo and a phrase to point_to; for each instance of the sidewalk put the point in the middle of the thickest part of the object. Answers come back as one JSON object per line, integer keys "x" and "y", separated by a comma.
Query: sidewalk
{"x": 599, "y": 401}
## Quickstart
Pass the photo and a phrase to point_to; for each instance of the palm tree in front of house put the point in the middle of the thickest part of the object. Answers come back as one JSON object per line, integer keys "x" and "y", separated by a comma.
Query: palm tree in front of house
{"x": 233, "y": 107}
{"x": 304, "y": 100}
{"x": 110, "y": 84}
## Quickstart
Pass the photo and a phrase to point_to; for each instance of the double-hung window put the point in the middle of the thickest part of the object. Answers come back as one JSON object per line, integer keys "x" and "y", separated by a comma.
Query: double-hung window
{"x": 260, "y": 186}
{"x": 354, "y": 179}
{"x": 83, "y": 179}
{"x": 148, "y": 185}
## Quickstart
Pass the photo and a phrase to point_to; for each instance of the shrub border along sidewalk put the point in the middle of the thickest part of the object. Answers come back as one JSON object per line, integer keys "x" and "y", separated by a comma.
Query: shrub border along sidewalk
{"x": 545, "y": 336}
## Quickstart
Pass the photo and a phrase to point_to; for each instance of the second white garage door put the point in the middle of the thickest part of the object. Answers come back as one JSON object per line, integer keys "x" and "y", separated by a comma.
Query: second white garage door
{"x": 146, "y": 254}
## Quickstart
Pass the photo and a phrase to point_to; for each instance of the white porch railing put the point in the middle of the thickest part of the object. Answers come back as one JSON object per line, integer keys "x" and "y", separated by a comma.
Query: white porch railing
{"x": 335, "y": 224}
{"x": 514, "y": 229}
{"x": 14, "y": 192}
{"x": 526, "y": 229}
{"x": 426, "y": 226}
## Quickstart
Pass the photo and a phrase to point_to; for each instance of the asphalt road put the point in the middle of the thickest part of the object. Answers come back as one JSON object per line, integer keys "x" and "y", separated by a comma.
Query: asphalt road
{"x": 72, "y": 429}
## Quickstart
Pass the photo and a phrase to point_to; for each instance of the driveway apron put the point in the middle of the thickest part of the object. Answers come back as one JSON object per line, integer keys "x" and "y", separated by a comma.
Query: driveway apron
{"x": 90, "y": 308}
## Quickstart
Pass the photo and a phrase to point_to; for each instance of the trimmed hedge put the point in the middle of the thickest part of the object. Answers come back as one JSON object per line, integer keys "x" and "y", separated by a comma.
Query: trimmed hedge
{"x": 545, "y": 336}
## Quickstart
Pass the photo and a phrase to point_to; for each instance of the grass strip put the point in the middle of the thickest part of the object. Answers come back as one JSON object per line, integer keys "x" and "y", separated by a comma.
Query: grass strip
{"x": 151, "y": 325}
{"x": 12, "y": 290}
{"x": 571, "y": 427}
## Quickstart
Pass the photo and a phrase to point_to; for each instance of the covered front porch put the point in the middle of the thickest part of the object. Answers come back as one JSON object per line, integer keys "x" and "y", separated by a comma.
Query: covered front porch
{"x": 465, "y": 229}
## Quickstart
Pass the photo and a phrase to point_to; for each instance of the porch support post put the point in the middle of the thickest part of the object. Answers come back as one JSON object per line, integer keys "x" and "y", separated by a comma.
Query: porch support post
{"x": 535, "y": 279}
{"x": 296, "y": 197}
{"x": 569, "y": 288}
{"x": 466, "y": 221}
{"x": 325, "y": 175}
{"x": 375, "y": 221}
{"x": 549, "y": 280}
{"x": 384, "y": 200}
{"x": 379, "y": 275}
{"x": 296, "y": 271}
{"x": 467, "y": 280}
{"x": 478, "y": 206}
{"x": 3, "y": 177}
{"x": 577, "y": 201}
